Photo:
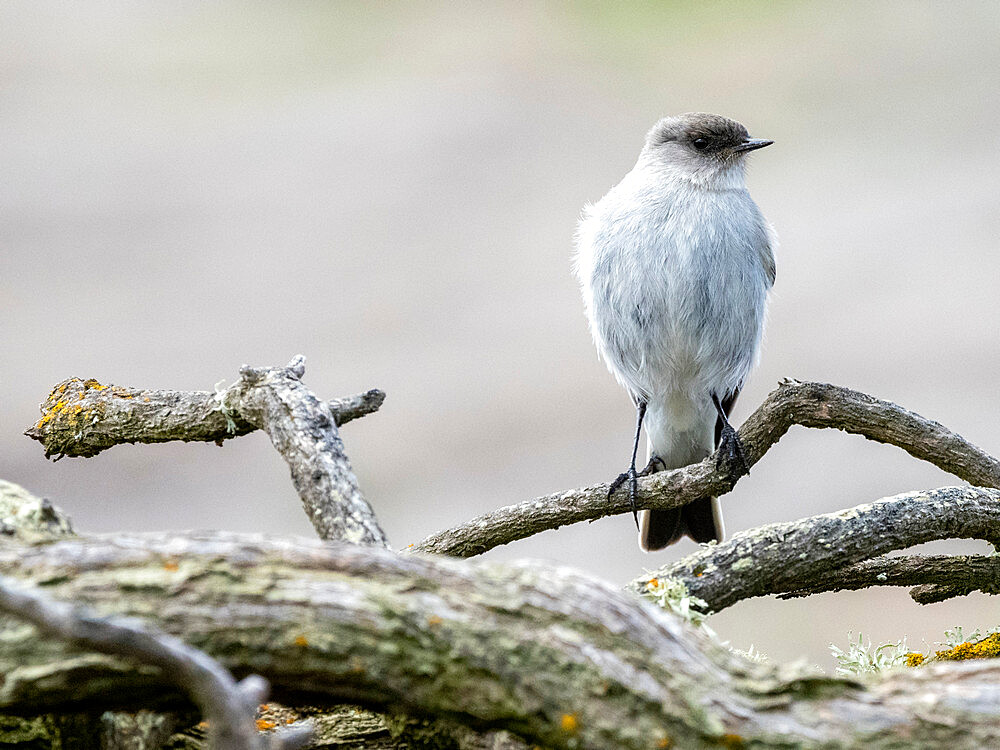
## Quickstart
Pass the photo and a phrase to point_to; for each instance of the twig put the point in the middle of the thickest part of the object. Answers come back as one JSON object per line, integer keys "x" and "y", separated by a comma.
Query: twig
{"x": 562, "y": 659}
{"x": 228, "y": 706}
{"x": 805, "y": 556}
{"x": 83, "y": 417}
{"x": 816, "y": 405}
{"x": 353, "y": 407}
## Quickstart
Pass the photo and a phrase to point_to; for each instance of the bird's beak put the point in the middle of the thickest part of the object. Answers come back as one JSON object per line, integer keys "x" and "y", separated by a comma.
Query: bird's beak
{"x": 752, "y": 144}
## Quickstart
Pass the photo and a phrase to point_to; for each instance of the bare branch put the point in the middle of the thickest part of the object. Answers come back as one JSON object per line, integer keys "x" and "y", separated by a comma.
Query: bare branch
{"x": 354, "y": 407}
{"x": 817, "y": 553}
{"x": 304, "y": 432}
{"x": 556, "y": 656}
{"x": 83, "y": 418}
{"x": 229, "y": 706}
{"x": 816, "y": 405}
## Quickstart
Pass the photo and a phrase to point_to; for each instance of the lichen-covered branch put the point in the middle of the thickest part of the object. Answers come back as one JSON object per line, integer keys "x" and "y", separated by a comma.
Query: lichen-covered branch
{"x": 229, "y": 706}
{"x": 818, "y": 405}
{"x": 829, "y": 551}
{"x": 556, "y": 656}
{"x": 83, "y": 418}
{"x": 934, "y": 577}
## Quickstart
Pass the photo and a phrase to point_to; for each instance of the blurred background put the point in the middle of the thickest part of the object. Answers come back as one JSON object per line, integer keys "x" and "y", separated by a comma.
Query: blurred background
{"x": 392, "y": 190}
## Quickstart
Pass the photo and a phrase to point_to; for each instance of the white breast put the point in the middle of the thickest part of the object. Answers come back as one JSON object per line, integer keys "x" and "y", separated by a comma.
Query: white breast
{"x": 674, "y": 284}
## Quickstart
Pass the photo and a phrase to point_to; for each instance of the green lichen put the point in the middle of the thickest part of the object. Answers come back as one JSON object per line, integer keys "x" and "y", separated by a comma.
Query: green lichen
{"x": 860, "y": 658}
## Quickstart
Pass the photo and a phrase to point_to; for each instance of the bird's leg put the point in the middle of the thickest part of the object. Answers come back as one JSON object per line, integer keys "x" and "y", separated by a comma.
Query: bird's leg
{"x": 631, "y": 476}
{"x": 730, "y": 447}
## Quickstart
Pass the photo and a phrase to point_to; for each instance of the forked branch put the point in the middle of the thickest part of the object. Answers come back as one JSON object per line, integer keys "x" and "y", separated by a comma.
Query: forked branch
{"x": 83, "y": 417}
{"x": 818, "y": 405}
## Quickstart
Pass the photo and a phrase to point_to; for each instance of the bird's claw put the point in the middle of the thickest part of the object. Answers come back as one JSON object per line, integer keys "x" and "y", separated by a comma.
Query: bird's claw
{"x": 632, "y": 477}
{"x": 731, "y": 456}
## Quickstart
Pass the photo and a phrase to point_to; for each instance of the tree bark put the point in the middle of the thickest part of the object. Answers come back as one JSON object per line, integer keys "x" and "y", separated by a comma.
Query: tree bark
{"x": 555, "y": 656}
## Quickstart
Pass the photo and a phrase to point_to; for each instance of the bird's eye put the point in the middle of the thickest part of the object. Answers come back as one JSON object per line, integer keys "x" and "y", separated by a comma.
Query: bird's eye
{"x": 699, "y": 143}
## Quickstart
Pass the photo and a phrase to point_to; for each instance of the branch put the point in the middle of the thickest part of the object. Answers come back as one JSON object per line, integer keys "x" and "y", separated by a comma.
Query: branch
{"x": 826, "y": 552}
{"x": 816, "y": 405}
{"x": 555, "y": 656}
{"x": 83, "y": 418}
{"x": 936, "y": 577}
{"x": 229, "y": 707}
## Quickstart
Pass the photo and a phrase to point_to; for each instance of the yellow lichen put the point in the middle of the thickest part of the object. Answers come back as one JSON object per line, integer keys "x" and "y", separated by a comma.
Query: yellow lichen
{"x": 913, "y": 659}
{"x": 93, "y": 384}
{"x": 434, "y": 620}
{"x": 569, "y": 723}
{"x": 987, "y": 648}
{"x": 301, "y": 641}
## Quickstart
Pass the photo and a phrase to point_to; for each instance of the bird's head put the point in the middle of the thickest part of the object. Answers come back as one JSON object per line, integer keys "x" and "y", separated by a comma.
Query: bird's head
{"x": 706, "y": 149}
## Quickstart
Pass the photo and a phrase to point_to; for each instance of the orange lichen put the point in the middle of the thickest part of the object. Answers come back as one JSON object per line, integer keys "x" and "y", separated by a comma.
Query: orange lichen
{"x": 731, "y": 740}
{"x": 434, "y": 620}
{"x": 653, "y": 582}
{"x": 171, "y": 565}
{"x": 569, "y": 723}
{"x": 202, "y": 725}
{"x": 264, "y": 725}
{"x": 987, "y": 648}
{"x": 913, "y": 659}
{"x": 301, "y": 641}
{"x": 664, "y": 743}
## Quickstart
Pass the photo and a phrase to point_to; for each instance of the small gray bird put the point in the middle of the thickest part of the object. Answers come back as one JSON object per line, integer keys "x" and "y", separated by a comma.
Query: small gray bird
{"x": 675, "y": 264}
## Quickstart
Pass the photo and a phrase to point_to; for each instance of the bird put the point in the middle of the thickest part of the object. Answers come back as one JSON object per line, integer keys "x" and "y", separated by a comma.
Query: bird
{"x": 675, "y": 266}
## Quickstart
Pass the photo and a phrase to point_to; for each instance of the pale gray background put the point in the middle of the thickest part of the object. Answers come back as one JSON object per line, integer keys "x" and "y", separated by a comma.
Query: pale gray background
{"x": 393, "y": 191}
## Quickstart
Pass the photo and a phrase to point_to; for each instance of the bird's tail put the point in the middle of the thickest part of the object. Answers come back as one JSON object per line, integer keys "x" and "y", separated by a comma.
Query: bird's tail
{"x": 702, "y": 519}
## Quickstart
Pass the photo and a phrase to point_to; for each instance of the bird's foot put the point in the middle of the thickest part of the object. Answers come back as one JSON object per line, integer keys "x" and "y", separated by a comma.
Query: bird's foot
{"x": 730, "y": 456}
{"x": 632, "y": 477}
{"x": 655, "y": 464}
